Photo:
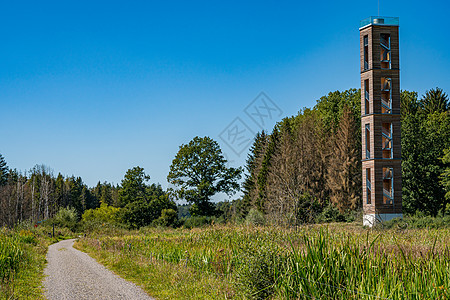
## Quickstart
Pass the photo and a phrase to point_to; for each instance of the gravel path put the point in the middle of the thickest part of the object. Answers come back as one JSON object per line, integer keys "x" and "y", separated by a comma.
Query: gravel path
{"x": 72, "y": 274}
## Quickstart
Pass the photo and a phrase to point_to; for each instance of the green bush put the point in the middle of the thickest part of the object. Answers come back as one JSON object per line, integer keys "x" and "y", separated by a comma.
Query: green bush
{"x": 144, "y": 212}
{"x": 168, "y": 218}
{"x": 66, "y": 217}
{"x": 331, "y": 214}
{"x": 102, "y": 214}
{"x": 197, "y": 221}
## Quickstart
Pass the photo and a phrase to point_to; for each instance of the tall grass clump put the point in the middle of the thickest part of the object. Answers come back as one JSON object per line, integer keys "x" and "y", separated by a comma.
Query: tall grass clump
{"x": 11, "y": 256}
{"x": 330, "y": 266}
{"x": 259, "y": 270}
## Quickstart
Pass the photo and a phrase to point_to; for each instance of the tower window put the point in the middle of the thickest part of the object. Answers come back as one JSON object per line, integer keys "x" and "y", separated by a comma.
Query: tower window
{"x": 367, "y": 97}
{"x": 386, "y": 95}
{"x": 385, "y": 50}
{"x": 368, "y": 187}
{"x": 388, "y": 185}
{"x": 367, "y": 141}
{"x": 386, "y": 140}
{"x": 366, "y": 52}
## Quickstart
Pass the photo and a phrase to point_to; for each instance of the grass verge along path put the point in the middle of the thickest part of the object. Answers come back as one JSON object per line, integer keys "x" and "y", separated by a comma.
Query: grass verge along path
{"x": 22, "y": 261}
{"x": 159, "y": 278}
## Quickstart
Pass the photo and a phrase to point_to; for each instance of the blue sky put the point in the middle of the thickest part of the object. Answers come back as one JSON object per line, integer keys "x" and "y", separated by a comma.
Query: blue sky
{"x": 93, "y": 88}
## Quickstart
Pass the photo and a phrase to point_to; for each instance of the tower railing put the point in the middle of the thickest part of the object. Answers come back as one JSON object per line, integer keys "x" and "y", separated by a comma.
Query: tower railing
{"x": 386, "y": 104}
{"x": 388, "y": 194}
{"x": 385, "y": 43}
{"x": 387, "y": 174}
{"x": 378, "y": 20}
{"x": 386, "y": 133}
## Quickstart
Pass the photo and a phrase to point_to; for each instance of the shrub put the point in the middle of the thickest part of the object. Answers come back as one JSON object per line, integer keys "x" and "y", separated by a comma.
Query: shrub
{"x": 307, "y": 210}
{"x": 102, "y": 214}
{"x": 137, "y": 214}
{"x": 168, "y": 218}
{"x": 144, "y": 212}
{"x": 197, "y": 221}
{"x": 66, "y": 217}
{"x": 330, "y": 214}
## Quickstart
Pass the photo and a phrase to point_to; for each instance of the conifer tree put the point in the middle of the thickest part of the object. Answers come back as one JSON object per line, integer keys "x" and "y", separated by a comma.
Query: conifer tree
{"x": 134, "y": 187}
{"x": 254, "y": 166}
{"x": 434, "y": 100}
{"x": 295, "y": 171}
{"x": 344, "y": 169}
{"x": 3, "y": 171}
{"x": 284, "y": 184}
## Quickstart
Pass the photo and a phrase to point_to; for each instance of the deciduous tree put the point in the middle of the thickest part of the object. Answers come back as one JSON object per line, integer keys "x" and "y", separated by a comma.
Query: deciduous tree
{"x": 199, "y": 171}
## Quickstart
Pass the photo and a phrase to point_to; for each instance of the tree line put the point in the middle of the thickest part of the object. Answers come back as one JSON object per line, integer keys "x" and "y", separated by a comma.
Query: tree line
{"x": 308, "y": 169}
{"x": 309, "y": 166}
{"x": 197, "y": 173}
{"x": 37, "y": 194}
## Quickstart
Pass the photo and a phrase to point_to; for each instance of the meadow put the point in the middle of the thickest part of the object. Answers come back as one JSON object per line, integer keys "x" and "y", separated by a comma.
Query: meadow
{"x": 336, "y": 261}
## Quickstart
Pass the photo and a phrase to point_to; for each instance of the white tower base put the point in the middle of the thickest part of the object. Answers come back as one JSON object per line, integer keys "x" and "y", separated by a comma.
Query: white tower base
{"x": 372, "y": 219}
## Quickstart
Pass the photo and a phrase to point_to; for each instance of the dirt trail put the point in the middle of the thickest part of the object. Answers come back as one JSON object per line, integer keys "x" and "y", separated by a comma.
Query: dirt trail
{"x": 72, "y": 274}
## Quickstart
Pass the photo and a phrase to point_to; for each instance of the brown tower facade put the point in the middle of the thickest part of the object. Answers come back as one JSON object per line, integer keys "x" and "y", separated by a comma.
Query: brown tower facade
{"x": 380, "y": 119}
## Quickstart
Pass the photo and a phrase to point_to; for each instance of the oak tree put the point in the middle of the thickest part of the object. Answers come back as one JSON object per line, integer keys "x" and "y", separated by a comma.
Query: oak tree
{"x": 199, "y": 172}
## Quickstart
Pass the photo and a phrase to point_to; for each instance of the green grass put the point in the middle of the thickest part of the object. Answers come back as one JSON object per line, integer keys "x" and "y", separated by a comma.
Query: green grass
{"x": 162, "y": 278}
{"x": 316, "y": 262}
{"x": 419, "y": 221}
{"x": 22, "y": 260}
{"x": 11, "y": 254}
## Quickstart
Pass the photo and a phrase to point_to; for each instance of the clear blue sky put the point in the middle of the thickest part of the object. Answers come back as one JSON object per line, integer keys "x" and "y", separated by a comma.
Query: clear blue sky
{"x": 93, "y": 88}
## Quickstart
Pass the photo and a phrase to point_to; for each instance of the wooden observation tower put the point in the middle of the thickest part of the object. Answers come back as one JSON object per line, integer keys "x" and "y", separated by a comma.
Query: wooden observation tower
{"x": 380, "y": 119}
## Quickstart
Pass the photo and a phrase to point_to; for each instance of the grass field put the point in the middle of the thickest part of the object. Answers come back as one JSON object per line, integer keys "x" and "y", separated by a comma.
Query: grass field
{"x": 338, "y": 261}
{"x": 22, "y": 260}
